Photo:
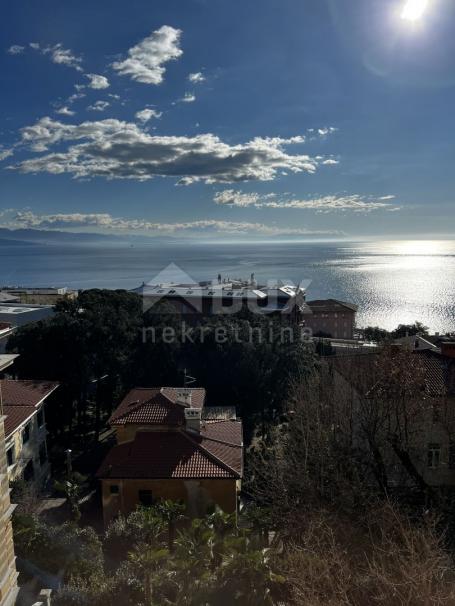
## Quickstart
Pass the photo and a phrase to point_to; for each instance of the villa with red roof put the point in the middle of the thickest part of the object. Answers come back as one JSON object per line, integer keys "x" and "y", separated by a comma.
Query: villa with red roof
{"x": 170, "y": 446}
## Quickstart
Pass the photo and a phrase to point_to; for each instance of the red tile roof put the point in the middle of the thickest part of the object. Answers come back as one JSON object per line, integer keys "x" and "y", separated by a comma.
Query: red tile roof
{"x": 331, "y": 305}
{"x": 173, "y": 454}
{"x": 20, "y": 400}
{"x": 215, "y": 452}
{"x": 154, "y": 406}
{"x": 361, "y": 371}
{"x": 15, "y": 416}
{"x": 25, "y": 393}
{"x": 225, "y": 431}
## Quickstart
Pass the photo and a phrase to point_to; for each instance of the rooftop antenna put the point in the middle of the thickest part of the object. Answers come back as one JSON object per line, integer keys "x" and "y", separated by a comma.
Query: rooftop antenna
{"x": 187, "y": 379}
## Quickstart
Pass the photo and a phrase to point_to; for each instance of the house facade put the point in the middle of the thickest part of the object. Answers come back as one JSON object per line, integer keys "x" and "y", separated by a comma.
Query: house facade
{"x": 429, "y": 416}
{"x": 25, "y": 429}
{"x": 8, "y": 573}
{"x": 331, "y": 318}
{"x": 170, "y": 446}
{"x": 38, "y": 296}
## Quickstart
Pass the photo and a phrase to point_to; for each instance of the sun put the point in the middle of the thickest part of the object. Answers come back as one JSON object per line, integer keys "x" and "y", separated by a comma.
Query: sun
{"x": 414, "y": 9}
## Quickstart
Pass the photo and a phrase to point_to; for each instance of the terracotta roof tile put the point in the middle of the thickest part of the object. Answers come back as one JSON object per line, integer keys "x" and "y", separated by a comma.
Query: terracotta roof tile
{"x": 171, "y": 454}
{"x": 15, "y": 416}
{"x": 225, "y": 431}
{"x": 361, "y": 371}
{"x": 25, "y": 393}
{"x": 154, "y": 406}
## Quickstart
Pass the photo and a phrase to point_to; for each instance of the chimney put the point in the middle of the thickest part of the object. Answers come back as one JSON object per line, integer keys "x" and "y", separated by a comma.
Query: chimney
{"x": 193, "y": 418}
{"x": 448, "y": 349}
{"x": 184, "y": 397}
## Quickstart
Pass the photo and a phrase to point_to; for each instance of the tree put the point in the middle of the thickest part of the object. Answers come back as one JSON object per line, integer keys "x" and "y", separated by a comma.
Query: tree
{"x": 409, "y": 330}
{"x": 170, "y": 512}
{"x": 90, "y": 337}
{"x": 148, "y": 560}
{"x": 375, "y": 334}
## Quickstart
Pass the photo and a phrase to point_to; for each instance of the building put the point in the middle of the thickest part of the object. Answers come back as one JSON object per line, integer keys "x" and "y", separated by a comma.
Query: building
{"x": 331, "y": 318}
{"x": 6, "y": 297}
{"x": 170, "y": 446}
{"x": 6, "y": 330}
{"x": 8, "y": 573}
{"x": 193, "y": 300}
{"x": 38, "y": 296}
{"x": 417, "y": 343}
{"x": 19, "y": 314}
{"x": 429, "y": 417}
{"x": 25, "y": 429}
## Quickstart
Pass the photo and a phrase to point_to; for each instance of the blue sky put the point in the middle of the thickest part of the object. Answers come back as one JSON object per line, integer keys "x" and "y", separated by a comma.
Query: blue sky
{"x": 237, "y": 118}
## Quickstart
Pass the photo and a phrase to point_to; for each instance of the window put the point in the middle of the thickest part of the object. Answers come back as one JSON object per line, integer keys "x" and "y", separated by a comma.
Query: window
{"x": 434, "y": 455}
{"x": 42, "y": 454}
{"x": 146, "y": 498}
{"x": 40, "y": 417}
{"x": 26, "y": 434}
{"x": 10, "y": 456}
{"x": 29, "y": 471}
{"x": 114, "y": 489}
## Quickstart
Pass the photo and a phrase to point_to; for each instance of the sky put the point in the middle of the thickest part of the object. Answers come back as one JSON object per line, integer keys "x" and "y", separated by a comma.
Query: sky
{"x": 233, "y": 118}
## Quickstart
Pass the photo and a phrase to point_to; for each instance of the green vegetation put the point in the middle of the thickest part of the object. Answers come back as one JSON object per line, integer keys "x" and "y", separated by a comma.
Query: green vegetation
{"x": 378, "y": 335}
{"x": 141, "y": 561}
{"x": 102, "y": 344}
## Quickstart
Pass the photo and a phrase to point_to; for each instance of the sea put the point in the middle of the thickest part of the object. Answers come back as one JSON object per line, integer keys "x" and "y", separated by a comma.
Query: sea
{"x": 392, "y": 282}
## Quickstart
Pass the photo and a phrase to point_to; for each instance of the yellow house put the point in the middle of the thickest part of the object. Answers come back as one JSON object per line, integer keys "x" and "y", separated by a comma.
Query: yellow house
{"x": 170, "y": 446}
{"x": 25, "y": 429}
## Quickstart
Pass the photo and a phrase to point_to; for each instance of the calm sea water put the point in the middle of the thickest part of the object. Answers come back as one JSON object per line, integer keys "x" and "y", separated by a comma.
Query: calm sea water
{"x": 392, "y": 282}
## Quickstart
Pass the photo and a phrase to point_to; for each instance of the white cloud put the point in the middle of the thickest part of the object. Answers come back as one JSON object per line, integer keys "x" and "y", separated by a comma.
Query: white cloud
{"x": 188, "y": 98}
{"x": 147, "y": 114}
{"x": 231, "y": 197}
{"x": 16, "y": 49}
{"x": 65, "y": 111}
{"x": 72, "y": 98}
{"x": 5, "y": 153}
{"x": 97, "y": 81}
{"x": 98, "y": 106}
{"x": 330, "y": 162}
{"x": 121, "y": 150}
{"x": 324, "y": 204}
{"x": 145, "y": 61}
{"x": 59, "y": 55}
{"x": 104, "y": 222}
{"x": 327, "y": 130}
{"x": 196, "y": 77}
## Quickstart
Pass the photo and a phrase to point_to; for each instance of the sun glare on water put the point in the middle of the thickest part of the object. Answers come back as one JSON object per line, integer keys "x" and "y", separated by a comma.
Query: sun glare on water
{"x": 413, "y": 10}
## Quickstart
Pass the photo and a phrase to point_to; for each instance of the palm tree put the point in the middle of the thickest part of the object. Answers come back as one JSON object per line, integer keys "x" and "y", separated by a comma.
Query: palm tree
{"x": 147, "y": 559}
{"x": 170, "y": 512}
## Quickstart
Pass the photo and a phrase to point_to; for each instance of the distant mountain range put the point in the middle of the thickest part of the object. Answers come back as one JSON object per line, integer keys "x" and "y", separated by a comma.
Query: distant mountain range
{"x": 21, "y": 237}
